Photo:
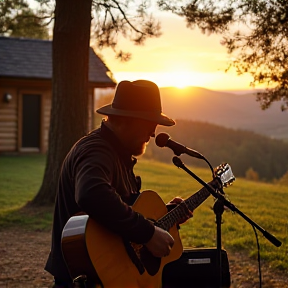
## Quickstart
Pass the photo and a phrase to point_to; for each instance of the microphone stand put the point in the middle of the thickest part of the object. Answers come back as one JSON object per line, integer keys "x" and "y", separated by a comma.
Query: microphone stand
{"x": 218, "y": 208}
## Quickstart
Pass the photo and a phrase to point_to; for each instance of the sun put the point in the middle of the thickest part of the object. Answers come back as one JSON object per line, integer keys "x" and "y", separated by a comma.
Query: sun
{"x": 179, "y": 79}
{"x": 175, "y": 78}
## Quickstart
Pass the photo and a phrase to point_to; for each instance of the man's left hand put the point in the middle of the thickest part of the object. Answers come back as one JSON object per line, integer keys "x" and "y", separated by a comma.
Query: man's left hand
{"x": 173, "y": 203}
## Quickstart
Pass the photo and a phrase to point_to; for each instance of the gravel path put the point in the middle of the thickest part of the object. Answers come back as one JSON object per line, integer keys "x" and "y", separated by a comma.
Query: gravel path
{"x": 23, "y": 256}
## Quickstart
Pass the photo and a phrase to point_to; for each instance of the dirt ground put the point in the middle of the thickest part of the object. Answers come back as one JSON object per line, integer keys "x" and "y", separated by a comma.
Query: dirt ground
{"x": 23, "y": 255}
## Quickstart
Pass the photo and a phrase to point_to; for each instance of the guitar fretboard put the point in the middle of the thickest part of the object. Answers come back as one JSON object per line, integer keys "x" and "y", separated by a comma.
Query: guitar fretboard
{"x": 180, "y": 211}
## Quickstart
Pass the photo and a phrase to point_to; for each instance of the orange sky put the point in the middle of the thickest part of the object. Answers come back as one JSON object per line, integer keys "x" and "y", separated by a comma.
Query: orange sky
{"x": 180, "y": 57}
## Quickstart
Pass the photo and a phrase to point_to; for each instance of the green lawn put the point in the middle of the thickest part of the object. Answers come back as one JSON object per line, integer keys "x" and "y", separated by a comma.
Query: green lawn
{"x": 265, "y": 204}
{"x": 20, "y": 179}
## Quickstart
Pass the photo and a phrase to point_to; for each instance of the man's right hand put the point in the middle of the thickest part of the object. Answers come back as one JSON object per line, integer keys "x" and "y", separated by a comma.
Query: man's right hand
{"x": 161, "y": 243}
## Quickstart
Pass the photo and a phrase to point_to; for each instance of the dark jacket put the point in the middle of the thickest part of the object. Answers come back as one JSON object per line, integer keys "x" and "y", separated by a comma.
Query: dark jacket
{"x": 97, "y": 178}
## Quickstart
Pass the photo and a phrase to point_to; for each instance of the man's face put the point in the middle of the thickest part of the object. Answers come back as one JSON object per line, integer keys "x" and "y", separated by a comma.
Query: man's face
{"x": 137, "y": 135}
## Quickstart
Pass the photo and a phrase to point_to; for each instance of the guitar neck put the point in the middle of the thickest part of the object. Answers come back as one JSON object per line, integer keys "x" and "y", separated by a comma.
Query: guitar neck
{"x": 224, "y": 174}
{"x": 191, "y": 203}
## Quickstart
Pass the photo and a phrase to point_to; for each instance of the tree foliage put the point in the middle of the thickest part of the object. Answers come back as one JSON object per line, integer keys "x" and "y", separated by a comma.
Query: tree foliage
{"x": 126, "y": 18}
{"x": 18, "y": 20}
{"x": 251, "y": 174}
{"x": 255, "y": 33}
{"x": 284, "y": 179}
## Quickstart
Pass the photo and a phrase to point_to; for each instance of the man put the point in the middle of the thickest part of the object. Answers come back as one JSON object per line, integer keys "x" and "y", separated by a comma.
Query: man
{"x": 97, "y": 175}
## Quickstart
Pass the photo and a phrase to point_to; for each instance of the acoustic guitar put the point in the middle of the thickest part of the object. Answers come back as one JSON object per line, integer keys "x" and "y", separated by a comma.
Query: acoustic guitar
{"x": 90, "y": 249}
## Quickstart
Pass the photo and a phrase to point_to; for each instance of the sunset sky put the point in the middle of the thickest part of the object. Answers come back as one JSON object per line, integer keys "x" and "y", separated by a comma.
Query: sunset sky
{"x": 180, "y": 57}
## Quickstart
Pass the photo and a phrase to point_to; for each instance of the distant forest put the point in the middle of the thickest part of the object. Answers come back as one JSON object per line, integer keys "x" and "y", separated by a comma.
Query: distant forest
{"x": 250, "y": 155}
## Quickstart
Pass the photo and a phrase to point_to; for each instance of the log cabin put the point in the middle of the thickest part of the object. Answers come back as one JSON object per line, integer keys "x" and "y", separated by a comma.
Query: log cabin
{"x": 26, "y": 92}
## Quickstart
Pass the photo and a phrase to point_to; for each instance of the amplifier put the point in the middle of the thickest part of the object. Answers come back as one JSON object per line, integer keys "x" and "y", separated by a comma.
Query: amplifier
{"x": 197, "y": 268}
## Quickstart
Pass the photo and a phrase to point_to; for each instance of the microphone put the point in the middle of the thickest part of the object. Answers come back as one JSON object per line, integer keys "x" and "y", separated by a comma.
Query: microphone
{"x": 164, "y": 139}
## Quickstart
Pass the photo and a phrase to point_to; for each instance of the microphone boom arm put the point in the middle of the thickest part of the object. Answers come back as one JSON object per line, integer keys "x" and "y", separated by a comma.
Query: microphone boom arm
{"x": 178, "y": 162}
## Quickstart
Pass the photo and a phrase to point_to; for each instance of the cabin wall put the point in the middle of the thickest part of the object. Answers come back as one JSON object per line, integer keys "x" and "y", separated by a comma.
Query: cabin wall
{"x": 11, "y": 113}
{"x": 8, "y": 120}
{"x": 11, "y": 120}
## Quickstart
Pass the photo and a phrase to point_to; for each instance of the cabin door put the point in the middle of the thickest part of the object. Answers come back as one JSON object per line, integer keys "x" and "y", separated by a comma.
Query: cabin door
{"x": 31, "y": 113}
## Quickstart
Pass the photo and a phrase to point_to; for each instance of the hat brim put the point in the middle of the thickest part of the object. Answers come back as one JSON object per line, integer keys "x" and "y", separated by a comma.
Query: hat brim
{"x": 159, "y": 118}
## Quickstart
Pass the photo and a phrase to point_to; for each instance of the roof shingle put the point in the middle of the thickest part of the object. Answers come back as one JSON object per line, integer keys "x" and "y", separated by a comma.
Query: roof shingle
{"x": 32, "y": 58}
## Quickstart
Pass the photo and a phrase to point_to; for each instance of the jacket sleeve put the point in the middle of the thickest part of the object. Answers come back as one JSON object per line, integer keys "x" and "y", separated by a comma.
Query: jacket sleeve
{"x": 96, "y": 196}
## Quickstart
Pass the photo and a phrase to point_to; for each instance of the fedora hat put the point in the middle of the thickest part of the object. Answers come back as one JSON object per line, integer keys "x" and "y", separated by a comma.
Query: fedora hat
{"x": 137, "y": 99}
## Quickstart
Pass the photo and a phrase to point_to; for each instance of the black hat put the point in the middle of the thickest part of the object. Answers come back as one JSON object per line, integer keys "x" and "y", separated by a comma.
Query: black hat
{"x": 137, "y": 99}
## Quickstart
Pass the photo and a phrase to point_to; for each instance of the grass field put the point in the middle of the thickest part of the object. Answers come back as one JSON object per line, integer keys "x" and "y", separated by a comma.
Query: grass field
{"x": 265, "y": 204}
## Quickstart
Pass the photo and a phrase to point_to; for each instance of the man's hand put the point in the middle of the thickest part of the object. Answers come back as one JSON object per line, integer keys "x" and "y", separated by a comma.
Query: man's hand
{"x": 161, "y": 243}
{"x": 173, "y": 203}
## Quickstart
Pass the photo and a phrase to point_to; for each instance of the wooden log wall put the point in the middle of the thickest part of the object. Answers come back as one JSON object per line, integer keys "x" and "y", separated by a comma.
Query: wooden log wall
{"x": 8, "y": 121}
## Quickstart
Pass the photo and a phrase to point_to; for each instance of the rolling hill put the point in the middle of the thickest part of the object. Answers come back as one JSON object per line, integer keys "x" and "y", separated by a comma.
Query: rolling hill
{"x": 231, "y": 110}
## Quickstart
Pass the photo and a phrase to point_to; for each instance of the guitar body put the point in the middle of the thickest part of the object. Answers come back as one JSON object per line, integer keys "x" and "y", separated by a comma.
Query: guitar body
{"x": 90, "y": 249}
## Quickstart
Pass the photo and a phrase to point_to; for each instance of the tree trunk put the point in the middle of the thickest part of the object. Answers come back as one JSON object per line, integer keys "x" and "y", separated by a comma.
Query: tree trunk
{"x": 69, "y": 112}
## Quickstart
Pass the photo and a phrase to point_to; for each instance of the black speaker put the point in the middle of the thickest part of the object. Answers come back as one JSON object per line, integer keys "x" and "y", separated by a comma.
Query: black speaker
{"x": 197, "y": 268}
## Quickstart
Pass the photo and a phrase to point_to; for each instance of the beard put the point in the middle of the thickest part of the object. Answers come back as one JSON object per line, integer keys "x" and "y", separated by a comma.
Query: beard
{"x": 138, "y": 150}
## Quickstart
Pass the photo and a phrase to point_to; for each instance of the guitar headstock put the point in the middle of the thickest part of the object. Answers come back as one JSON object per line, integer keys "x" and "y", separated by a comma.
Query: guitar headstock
{"x": 225, "y": 174}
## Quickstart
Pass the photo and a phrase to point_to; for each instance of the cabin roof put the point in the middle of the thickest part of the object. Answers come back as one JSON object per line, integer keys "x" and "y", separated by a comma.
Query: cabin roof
{"x": 32, "y": 58}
